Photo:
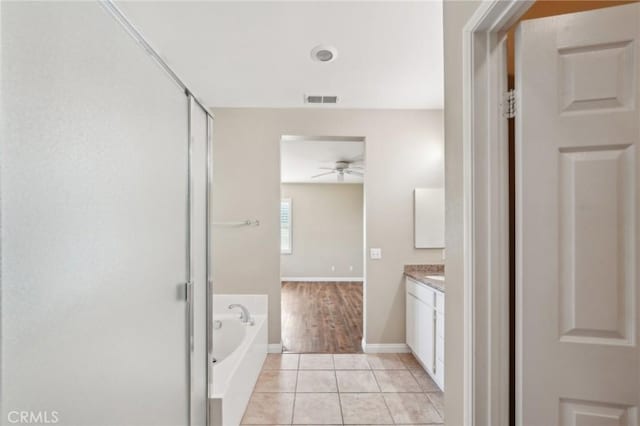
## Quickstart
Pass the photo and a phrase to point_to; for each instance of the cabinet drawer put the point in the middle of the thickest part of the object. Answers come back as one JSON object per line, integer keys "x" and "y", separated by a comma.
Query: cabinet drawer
{"x": 422, "y": 292}
{"x": 440, "y": 301}
{"x": 410, "y": 285}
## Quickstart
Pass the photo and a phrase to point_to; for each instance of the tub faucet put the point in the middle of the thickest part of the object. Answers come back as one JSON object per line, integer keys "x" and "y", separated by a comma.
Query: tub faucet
{"x": 245, "y": 316}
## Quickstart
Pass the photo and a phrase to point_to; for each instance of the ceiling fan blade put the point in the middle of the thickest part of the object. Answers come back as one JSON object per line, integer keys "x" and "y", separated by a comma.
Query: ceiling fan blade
{"x": 352, "y": 167}
{"x": 356, "y": 159}
{"x": 323, "y": 174}
{"x": 354, "y": 172}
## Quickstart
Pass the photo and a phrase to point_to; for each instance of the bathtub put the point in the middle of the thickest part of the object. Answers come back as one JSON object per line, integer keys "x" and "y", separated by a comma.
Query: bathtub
{"x": 238, "y": 352}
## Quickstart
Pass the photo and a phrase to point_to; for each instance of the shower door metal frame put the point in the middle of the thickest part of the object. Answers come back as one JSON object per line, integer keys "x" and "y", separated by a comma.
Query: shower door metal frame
{"x": 208, "y": 254}
{"x": 208, "y": 266}
{"x": 135, "y": 33}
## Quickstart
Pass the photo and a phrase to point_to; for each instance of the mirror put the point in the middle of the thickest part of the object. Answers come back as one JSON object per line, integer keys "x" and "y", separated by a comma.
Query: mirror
{"x": 428, "y": 217}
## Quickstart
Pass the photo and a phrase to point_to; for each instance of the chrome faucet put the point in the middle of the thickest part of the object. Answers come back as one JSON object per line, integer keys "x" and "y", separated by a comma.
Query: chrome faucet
{"x": 245, "y": 316}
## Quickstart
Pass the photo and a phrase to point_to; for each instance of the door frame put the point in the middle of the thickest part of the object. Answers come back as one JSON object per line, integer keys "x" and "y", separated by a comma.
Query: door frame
{"x": 486, "y": 212}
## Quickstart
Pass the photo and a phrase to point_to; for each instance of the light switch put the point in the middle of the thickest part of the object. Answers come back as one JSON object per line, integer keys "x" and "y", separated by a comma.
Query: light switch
{"x": 376, "y": 253}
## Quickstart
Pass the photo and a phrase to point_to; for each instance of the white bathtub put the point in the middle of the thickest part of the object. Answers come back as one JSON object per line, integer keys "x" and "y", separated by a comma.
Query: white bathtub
{"x": 239, "y": 351}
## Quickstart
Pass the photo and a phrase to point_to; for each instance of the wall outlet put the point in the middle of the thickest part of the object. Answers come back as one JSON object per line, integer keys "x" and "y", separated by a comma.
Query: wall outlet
{"x": 375, "y": 253}
{"x": 333, "y": 268}
{"x": 350, "y": 268}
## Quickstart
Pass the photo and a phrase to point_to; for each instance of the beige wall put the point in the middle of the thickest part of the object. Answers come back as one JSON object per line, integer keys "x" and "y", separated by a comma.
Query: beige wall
{"x": 328, "y": 228}
{"x": 403, "y": 150}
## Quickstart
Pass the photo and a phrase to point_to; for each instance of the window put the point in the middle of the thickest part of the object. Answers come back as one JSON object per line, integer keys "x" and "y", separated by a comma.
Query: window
{"x": 285, "y": 226}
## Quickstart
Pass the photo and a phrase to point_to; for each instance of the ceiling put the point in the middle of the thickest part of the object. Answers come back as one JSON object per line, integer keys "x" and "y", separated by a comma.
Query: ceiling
{"x": 258, "y": 54}
{"x": 301, "y": 158}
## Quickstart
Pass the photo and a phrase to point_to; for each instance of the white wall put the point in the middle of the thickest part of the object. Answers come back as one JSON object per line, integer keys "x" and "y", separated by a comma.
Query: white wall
{"x": 404, "y": 150}
{"x": 456, "y": 14}
{"x": 328, "y": 228}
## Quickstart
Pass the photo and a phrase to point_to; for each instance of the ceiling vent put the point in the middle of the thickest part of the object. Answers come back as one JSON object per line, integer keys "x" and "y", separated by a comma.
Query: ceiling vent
{"x": 315, "y": 99}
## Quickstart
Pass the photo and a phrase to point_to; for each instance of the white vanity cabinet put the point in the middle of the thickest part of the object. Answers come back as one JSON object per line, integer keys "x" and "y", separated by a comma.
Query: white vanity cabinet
{"x": 425, "y": 327}
{"x": 439, "y": 373}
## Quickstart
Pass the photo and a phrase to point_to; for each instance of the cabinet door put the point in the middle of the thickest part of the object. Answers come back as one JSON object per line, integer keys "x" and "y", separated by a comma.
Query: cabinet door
{"x": 425, "y": 327}
{"x": 411, "y": 322}
{"x": 440, "y": 350}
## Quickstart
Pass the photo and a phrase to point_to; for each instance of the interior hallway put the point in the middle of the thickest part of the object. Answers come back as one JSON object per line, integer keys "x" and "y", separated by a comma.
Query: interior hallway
{"x": 322, "y": 317}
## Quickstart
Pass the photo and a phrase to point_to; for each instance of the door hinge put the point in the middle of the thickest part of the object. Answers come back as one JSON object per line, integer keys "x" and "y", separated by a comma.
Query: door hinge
{"x": 509, "y": 104}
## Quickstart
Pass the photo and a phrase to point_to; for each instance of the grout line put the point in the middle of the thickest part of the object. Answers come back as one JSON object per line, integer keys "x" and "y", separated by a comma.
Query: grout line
{"x": 383, "y": 399}
{"x": 295, "y": 393}
{"x": 335, "y": 376}
{"x": 441, "y": 413}
{"x": 375, "y": 379}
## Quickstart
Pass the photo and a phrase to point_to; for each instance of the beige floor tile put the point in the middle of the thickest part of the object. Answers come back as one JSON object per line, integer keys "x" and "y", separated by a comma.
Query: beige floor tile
{"x": 317, "y": 408}
{"x": 281, "y": 362}
{"x": 269, "y": 409}
{"x": 411, "y": 408}
{"x": 425, "y": 381}
{"x": 369, "y": 408}
{"x": 437, "y": 398}
{"x": 356, "y": 381}
{"x": 385, "y": 362}
{"x": 316, "y": 362}
{"x": 276, "y": 381}
{"x": 410, "y": 361}
{"x": 316, "y": 381}
{"x": 351, "y": 362}
{"x": 396, "y": 381}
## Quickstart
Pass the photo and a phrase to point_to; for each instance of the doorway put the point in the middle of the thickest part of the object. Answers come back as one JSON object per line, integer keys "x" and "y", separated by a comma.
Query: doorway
{"x": 322, "y": 244}
{"x": 584, "y": 44}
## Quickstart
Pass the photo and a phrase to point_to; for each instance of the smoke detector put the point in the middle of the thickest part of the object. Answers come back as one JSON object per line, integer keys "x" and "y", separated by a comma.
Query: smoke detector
{"x": 323, "y": 53}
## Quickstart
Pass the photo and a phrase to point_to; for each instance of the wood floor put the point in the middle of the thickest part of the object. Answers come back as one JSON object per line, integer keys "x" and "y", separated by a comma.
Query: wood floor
{"x": 322, "y": 317}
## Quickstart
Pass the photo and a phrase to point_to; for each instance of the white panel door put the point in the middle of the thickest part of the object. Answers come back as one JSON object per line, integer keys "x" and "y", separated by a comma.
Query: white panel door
{"x": 577, "y": 131}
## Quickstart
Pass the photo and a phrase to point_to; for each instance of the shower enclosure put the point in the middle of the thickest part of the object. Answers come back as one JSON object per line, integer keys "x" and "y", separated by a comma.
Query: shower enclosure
{"x": 105, "y": 165}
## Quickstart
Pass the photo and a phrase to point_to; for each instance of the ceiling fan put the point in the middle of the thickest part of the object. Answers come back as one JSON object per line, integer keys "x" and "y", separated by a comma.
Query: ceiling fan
{"x": 342, "y": 167}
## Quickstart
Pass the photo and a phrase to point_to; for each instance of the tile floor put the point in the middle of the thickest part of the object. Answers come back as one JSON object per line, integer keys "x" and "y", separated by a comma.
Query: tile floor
{"x": 344, "y": 389}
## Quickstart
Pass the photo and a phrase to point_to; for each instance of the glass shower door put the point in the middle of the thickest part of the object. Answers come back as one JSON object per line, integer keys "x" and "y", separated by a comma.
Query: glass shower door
{"x": 94, "y": 211}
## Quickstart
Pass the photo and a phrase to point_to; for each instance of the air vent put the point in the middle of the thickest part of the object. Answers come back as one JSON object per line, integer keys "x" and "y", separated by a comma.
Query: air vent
{"x": 315, "y": 99}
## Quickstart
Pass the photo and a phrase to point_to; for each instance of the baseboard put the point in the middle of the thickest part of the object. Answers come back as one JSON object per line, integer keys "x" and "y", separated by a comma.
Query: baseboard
{"x": 384, "y": 348}
{"x": 274, "y": 348}
{"x": 323, "y": 279}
